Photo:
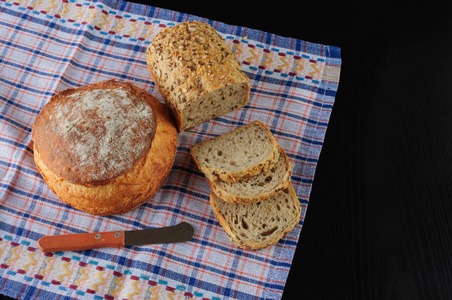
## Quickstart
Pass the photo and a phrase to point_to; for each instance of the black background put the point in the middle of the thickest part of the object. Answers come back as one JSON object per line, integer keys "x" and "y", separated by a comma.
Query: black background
{"x": 378, "y": 223}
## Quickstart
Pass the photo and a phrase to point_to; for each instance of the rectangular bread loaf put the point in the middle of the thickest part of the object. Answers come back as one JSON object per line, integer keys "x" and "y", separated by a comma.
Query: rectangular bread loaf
{"x": 196, "y": 73}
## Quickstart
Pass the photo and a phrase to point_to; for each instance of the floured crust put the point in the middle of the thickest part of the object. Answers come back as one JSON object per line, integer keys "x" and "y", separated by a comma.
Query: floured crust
{"x": 94, "y": 133}
{"x": 130, "y": 189}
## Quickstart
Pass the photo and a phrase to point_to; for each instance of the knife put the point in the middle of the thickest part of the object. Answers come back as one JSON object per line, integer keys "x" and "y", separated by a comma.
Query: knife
{"x": 181, "y": 232}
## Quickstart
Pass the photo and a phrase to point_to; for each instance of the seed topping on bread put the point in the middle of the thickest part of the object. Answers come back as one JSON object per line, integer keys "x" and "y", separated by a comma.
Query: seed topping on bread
{"x": 196, "y": 73}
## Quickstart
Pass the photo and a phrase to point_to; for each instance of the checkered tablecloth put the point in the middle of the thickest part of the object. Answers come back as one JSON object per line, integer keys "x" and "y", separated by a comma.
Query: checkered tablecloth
{"x": 49, "y": 46}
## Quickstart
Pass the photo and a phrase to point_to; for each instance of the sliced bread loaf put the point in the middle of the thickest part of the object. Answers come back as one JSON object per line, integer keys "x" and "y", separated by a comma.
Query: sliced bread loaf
{"x": 260, "y": 224}
{"x": 257, "y": 187}
{"x": 196, "y": 73}
{"x": 243, "y": 152}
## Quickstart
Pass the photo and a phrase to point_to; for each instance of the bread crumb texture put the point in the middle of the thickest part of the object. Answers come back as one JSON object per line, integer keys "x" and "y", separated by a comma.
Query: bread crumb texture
{"x": 260, "y": 224}
{"x": 259, "y": 206}
{"x": 196, "y": 73}
{"x": 257, "y": 187}
{"x": 238, "y": 154}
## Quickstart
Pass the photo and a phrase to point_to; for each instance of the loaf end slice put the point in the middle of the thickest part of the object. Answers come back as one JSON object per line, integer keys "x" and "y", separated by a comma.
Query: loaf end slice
{"x": 257, "y": 187}
{"x": 260, "y": 224}
{"x": 240, "y": 153}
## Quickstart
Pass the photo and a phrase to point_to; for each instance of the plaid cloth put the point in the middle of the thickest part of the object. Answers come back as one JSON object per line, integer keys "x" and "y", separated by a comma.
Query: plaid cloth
{"x": 49, "y": 46}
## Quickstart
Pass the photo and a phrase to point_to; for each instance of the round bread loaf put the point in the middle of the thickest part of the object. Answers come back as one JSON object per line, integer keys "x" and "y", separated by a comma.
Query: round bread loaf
{"x": 104, "y": 148}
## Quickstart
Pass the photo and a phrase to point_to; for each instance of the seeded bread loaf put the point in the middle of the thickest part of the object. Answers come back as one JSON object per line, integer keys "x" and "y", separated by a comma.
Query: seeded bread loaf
{"x": 238, "y": 154}
{"x": 260, "y": 224}
{"x": 257, "y": 187}
{"x": 104, "y": 148}
{"x": 196, "y": 73}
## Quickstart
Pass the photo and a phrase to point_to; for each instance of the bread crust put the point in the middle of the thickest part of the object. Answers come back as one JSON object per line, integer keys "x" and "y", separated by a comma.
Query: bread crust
{"x": 189, "y": 61}
{"x": 130, "y": 189}
{"x": 255, "y": 244}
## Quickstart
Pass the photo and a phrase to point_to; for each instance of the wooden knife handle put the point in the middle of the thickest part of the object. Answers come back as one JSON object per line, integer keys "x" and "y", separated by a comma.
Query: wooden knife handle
{"x": 82, "y": 241}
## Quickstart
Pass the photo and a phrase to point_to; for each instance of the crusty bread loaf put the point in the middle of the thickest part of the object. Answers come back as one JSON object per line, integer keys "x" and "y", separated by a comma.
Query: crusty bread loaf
{"x": 238, "y": 154}
{"x": 94, "y": 133}
{"x": 260, "y": 224}
{"x": 104, "y": 148}
{"x": 257, "y": 187}
{"x": 196, "y": 73}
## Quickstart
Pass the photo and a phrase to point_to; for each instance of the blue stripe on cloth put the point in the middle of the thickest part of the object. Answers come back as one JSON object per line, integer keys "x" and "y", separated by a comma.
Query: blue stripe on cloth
{"x": 28, "y": 69}
{"x": 306, "y": 140}
{"x": 284, "y": 81}
{"x": 22, "y": 168}
{"x": 15, "y": 124}
{"x": 17, "y": 105}
{"x": 16, "y": 144}
{"x": 24, "y": 87}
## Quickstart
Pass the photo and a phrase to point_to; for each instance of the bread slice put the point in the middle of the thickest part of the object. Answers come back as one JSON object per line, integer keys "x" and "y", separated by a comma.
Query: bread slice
{"x": 260, "y": 224}
{"x": 196, "y": 73}
{"x": 240, "y": 153}
{"x": 257, "y": 187}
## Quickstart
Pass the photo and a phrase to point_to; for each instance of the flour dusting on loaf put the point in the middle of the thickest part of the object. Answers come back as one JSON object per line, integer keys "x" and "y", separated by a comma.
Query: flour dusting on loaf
{"x": 104, "y": 148}
{"x": 99, "y": 133}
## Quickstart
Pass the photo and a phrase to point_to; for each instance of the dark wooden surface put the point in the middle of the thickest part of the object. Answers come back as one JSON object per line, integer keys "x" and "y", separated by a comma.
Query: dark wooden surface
{"x": 378, "y": 224}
